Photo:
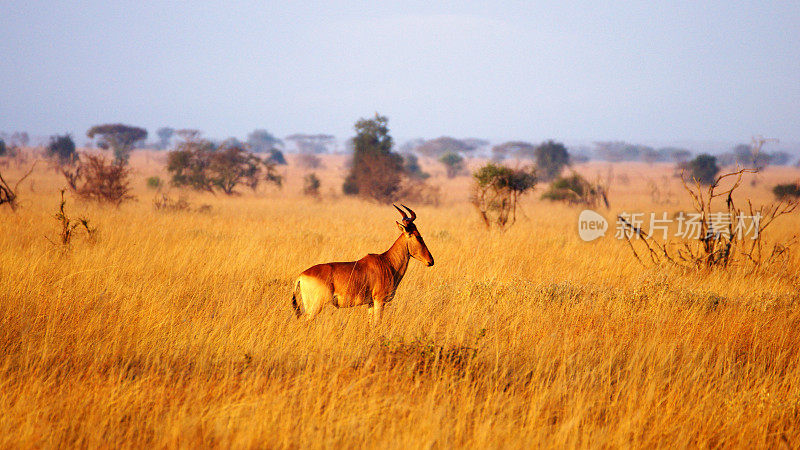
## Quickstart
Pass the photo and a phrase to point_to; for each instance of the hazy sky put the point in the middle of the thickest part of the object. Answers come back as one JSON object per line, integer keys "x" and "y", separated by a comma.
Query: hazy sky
{"x": 513, "y": 69}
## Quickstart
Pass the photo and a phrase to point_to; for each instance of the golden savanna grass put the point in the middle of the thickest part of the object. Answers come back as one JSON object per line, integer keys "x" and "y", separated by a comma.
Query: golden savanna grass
{"x": 174, "y": 329}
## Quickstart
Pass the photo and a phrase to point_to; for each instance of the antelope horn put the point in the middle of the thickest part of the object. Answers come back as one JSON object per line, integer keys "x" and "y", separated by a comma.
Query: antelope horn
{"x": 413, "y": 214}
{"x": 402, "y": 213}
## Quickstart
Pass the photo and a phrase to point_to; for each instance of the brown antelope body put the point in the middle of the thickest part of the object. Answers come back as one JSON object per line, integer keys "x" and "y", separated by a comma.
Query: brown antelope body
{"x": 372, "y": 280}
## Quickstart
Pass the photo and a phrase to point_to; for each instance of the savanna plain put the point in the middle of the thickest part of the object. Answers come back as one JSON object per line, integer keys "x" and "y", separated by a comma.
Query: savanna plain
{"x": 175, "y": 329}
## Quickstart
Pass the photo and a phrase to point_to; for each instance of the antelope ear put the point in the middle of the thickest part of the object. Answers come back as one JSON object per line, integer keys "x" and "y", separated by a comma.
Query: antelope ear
{"x": 402, "y": 228}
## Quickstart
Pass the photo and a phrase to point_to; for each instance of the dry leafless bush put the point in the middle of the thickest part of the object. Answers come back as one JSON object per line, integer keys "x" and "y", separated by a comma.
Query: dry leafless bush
{"x": 9, "y": 194}
{"x": 166, "y": 203}
{"x": 94, "y": 177}
{"x": 722, "y": 240}
{"x": 661, "y": 193}
{"x": 424, "y": 356}
{"x": 69, "y": 226}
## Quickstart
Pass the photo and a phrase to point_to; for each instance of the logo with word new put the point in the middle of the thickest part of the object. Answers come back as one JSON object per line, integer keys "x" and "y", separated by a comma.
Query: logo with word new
{"x": 591, "y": 225}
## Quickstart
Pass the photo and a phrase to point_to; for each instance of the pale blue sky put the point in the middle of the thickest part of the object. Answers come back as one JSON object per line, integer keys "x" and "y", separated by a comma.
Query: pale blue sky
{"x": 639, "y": 71}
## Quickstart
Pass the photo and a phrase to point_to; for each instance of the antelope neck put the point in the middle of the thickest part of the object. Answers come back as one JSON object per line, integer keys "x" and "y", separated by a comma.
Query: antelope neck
{"x": 398, "y": 256}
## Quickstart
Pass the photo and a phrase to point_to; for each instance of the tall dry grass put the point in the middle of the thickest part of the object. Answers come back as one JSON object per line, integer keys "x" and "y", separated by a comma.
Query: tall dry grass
{"x": 174, "y": 329}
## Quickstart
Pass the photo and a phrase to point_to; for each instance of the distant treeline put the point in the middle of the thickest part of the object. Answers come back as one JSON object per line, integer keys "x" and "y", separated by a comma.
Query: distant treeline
{"x": 262, "y": 141}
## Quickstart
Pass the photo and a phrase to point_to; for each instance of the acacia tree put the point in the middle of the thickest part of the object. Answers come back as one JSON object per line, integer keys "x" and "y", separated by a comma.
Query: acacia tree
{"x": 519, "y": 149}
{"x": 678, "y": 155}
{"x": 443, "y": 145}
{"x": 232, "y": 165}
{"x": 453, "y": 163}
{"x": 188, "y": 164}
{"x": 202, "y": 166}
{"x": 189, "y": 134}
{"x": 119, "y": 138}
{"x": 165, "y": 135}
{"x": 496, "y": 192}
{"x": 551, "y": 158}
{"x": 376, "y": 171}
{"x": 262, "y": 141}
{"x": 19, "y": 139}
{"x": 312, "y": 143}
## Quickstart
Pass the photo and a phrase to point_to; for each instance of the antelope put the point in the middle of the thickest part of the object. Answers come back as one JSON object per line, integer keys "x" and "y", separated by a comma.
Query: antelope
{"x": 372, "y": 280}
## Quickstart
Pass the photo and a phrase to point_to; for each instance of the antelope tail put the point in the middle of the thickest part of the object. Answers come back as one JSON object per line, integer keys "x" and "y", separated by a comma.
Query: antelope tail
{"x": 296, "y": 307}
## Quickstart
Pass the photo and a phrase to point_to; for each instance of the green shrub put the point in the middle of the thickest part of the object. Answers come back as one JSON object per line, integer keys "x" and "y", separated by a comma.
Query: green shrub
{"x": 453, "y": 162}
{"x": 787, "y": 191}
{"x": 412, "y": 167}
{"x": 497, "y": 189}
{"x": 702, "y": 169}
{"x": 154, "y": 182}
{"x": 311, "y": 185}
{"x": 575, "y": 189}
{"x": 62, "y": 149}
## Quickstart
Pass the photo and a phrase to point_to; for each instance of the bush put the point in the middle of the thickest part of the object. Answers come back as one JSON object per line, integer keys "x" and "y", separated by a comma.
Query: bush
{"x": 105, "y": 181}
{"x": 164, "y": 202}
{"x": 8, "y": 193}
{"x": 375, "y": 172}
{"x": 575, "y": 189}
{"x": 716, "y": 243}
{"x": 787, "y": 191}
{"x": 93, "y": 177}
{"x": 412, "y": 167}
{"x": 276, "y": 157}
{"x": 496, "y": 192}
{"x": 311, "y": 185}
{"x": 61, "y": 149}
{"x": 703, "y": 169}
{"x": 453, "y": 163}
{"x": 2, "y": 147}
{"x": 154, "y": 182}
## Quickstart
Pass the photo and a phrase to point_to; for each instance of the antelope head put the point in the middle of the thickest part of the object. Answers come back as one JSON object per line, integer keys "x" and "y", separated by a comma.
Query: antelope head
{"x": 414, "y": 242}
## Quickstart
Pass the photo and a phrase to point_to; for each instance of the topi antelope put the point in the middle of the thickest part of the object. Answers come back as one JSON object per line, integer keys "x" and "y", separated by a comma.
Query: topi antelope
{"x": 372, "y": 280}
